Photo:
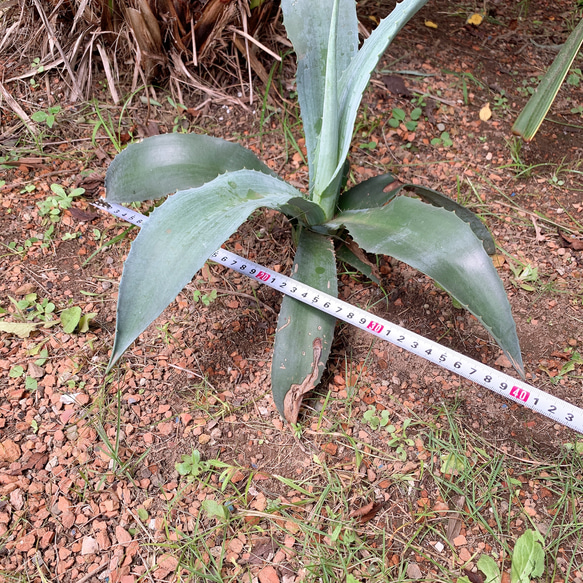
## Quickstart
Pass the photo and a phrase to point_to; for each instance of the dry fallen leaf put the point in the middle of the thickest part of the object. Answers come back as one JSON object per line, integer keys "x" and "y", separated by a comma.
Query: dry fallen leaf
{"x": 475, "y": 19}
{"x": 395, "y": 84}
{"x": 474, "y": 577}
{"x": 20, "y": 329}
{"x": 485, "y": 112}
{"x": 571, "y": 242}
{"x": 454, "y": 523}
{"x": 498, "y": 260}
{"x": 366, "y": 513}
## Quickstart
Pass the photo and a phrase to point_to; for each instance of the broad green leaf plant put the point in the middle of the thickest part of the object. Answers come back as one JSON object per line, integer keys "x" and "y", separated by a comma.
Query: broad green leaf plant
{"x": 218, "y": 184}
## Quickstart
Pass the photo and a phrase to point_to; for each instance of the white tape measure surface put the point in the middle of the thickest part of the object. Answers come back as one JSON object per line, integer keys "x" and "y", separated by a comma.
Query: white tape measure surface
{"x": 518, "y": 391}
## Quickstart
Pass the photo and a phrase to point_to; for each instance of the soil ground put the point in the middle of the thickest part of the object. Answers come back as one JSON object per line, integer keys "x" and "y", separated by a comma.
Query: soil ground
{"x": 199, "y": 377}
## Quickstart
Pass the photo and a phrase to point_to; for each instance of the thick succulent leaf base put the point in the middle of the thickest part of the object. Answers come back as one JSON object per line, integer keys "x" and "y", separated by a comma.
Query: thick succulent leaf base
{"x": 179, "y": 237}
{"x": 304, "y": 334}
{"x": 441, "y": 245}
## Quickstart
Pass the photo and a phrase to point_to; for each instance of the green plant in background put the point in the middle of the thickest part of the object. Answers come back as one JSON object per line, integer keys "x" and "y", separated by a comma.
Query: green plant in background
{"x": 443, "y": 140}
{"x": 48, "y": 117}
{"x": 220, "y": 184}
{"x": 524, "y": 275}
{"x": 528, "y": 561}
{"x": 193, "y": 467}
{"x": 375, "y": 421}
{"x": 398, "y": 117}
{"x": 59, "y": 201}
{"x": 206, "y": 299}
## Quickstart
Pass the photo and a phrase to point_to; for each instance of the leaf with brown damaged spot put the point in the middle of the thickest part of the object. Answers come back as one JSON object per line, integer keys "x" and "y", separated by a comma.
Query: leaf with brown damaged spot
{"x": 293, "y": 399}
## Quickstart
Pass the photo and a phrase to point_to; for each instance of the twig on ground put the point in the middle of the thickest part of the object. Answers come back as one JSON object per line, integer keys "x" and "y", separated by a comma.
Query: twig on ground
{"x": 92, "y": 573}
{"x": 255, "y": 42}
{"x": 246, "y": 296}
{"x": 18, "y": 110}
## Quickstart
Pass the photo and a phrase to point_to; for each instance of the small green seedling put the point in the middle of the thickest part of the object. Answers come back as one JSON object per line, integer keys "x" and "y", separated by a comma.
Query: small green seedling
{"x": 59, "y": 201}
{"x": 216, "y": 510}
{"x": 574, "y": 78}
{"x": 31, "y": 308}
{"x": 398, "y": 117}
{"x": 501, "y": 102}
{"x": 180, "y": 123}
{"x": 193, "y": 467}
{"x": 527, "y": 561}
{"x": 576, "y": 447}
{"x": 49, "y": 117}
{"x": 528, "y": 86}
{"x": 443, "y": 140}
{"x": 398, "y": 439}
{"x": 524, "y": 276}
{"x": 368, "y": 145}
{"x": 37, "y": 66}
{"x": 206, "y": 299}
{"x": 22, "y": 249}
{"x": 375, "y": 421}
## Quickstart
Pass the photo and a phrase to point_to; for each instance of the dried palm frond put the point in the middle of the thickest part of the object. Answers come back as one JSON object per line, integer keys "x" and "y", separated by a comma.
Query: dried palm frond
{"x": 76, "y": 36}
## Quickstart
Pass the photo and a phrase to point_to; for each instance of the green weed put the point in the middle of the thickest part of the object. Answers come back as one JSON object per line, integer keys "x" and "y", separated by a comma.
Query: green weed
{"x": 205, "y": 299}
{"x": 59, "y": 201}
{"x": 443, "y": 140}
{"x": 410, "y": 121}
{"x": 49, "y": 117}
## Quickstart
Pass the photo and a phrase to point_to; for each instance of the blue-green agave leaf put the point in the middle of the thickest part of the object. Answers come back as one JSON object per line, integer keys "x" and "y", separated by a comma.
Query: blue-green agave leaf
{"x": 356, "y": 77}
{"x": 177, "y": 239}
{"x": 374, "y": 192}
{"x": 308, "y": 27}
{"x": 304, "y": 334}
{"x": 163, "y": 164}
{"x": 441, "y": 245}
{"x": 380, "y": 190}
{"x": 327, "y": 150}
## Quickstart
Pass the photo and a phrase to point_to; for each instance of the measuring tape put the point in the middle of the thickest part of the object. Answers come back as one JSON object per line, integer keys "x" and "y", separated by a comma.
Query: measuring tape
{"x": 518, "y": 391}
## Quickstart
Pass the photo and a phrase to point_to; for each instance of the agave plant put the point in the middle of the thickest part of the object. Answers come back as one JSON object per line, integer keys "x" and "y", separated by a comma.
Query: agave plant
{"x": 219, "y": 184}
